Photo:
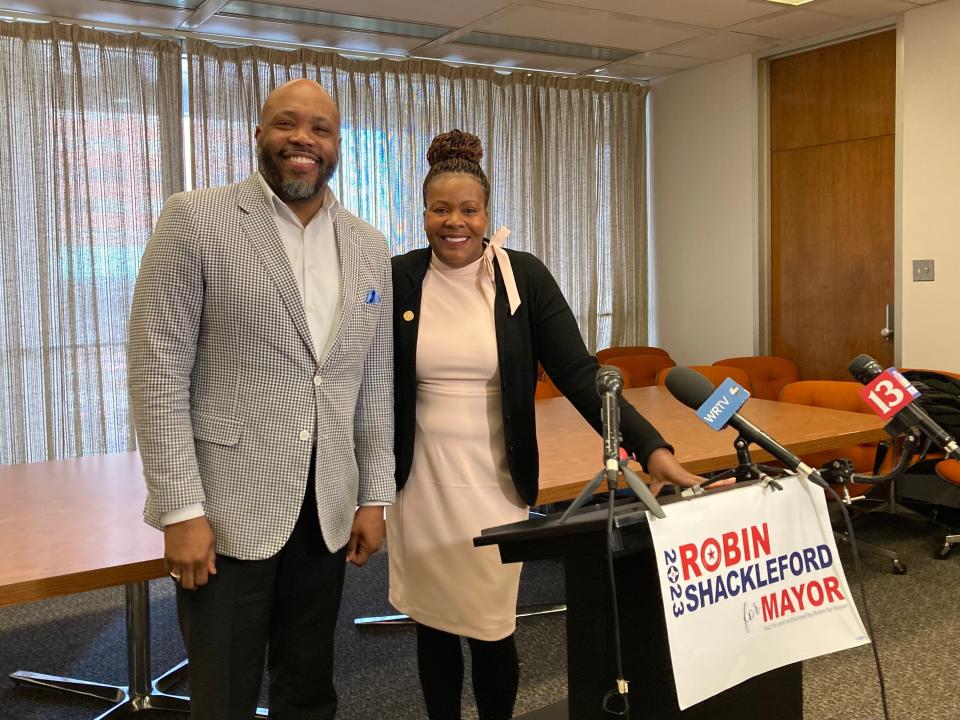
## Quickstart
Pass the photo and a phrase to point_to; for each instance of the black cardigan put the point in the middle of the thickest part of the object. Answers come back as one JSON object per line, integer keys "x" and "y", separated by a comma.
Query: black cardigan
{"x": 544, "y": 329}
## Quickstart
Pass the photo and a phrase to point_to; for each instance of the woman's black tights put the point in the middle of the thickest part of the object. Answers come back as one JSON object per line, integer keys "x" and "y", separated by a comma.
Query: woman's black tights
{"x": 495, "y": 670}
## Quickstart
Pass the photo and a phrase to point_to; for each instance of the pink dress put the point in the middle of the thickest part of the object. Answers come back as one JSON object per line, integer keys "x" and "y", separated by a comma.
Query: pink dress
{"x": 459, "y": 482}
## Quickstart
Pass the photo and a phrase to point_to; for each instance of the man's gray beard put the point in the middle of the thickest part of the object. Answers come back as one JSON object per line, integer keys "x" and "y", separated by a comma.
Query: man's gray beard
{"x": 292, "y": 190}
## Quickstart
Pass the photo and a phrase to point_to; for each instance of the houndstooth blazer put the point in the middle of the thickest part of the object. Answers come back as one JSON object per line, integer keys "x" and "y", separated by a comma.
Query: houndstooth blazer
{"x": 228, "y": 394}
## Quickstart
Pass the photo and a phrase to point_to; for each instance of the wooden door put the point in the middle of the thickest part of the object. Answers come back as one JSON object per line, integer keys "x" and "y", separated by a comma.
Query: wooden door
{"x": 832, "y": 119}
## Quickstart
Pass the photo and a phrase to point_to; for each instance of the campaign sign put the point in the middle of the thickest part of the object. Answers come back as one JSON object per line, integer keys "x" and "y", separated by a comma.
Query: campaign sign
{"x": 750, "y": 582}
{"x": 888, "y": 393}
{"x": 727, "y": 399}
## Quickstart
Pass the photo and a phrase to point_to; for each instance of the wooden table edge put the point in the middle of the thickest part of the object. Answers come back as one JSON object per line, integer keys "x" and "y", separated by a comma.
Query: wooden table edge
{"x": 31, "y": 590}
{"x": 698, "y": 467}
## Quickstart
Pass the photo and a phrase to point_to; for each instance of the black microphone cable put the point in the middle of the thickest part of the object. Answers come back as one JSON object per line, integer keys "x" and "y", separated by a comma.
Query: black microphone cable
{"x": 609, "y": 384}
{"x": 623, "y": 686}
{"x": 910, "y": 444}
{"x": 855, "y": 551}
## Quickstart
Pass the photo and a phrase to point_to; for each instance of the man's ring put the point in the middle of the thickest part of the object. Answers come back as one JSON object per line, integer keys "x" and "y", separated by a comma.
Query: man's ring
{"x": 175, "y": 575}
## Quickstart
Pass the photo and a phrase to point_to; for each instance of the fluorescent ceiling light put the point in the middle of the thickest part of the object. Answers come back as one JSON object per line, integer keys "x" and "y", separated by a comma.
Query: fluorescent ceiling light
{"x": 180, "y": 4}
{"x": 282, "y": 13}
{"x": 548, "y": 47}
{"x": 790, "y": 2}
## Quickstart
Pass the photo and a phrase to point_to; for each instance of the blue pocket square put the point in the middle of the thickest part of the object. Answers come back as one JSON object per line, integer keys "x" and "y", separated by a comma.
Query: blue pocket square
{"x": 373, "y": 297}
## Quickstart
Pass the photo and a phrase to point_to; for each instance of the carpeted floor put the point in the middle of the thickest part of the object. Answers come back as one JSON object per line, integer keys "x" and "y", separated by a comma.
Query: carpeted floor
{"x": 916, "y": 619}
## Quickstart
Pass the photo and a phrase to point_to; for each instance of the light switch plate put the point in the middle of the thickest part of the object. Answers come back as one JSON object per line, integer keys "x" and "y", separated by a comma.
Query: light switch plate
{"x": 923, "y": 270}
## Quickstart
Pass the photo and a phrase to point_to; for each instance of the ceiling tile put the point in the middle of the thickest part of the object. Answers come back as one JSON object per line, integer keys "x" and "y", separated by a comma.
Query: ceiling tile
{"x": 315, "y": 35}
{"x": 179, "y": 4}
{"x": 795, "y": 24}
{"x": 632, "y": 38}
{"x": 309, "y": 16}
{"x": 678, "y": 62}
{"x": 587, "y": 27}
{"x": 454, "y": 13}
{"x": 135, "y": 14}
{"x": 633, "y": 71}
{"x": 512, "y": 43}
{"x": 706, "y": 13}
{"x": 722, "y": 45}
{"x": 863, "y": 9}
{"x": 456, "y": 52}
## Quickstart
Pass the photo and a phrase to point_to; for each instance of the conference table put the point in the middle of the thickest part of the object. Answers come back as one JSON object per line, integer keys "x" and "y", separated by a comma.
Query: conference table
{"x": 571, "y": 452}
{"x": 75, "y": 525}
{"x": 72, "y": 526}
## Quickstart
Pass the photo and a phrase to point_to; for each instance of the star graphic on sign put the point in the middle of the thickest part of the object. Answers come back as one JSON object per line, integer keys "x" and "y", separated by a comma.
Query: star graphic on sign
{"x": 711, "y": 554}
{"x": 673, "y": 574}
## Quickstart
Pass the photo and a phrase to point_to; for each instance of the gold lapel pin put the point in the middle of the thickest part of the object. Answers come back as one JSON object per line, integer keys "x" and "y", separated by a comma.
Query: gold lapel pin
{"x": 408, "y": 315}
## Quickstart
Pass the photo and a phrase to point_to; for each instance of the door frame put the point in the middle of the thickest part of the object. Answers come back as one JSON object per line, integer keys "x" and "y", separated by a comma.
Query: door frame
{"x": 763, "y": 341}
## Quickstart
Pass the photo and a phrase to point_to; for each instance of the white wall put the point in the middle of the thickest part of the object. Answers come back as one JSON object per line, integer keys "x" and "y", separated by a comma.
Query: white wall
{"x": 930, "y": 210}
{"x": 704, "y": 211}
{"x": 704, "y": 215}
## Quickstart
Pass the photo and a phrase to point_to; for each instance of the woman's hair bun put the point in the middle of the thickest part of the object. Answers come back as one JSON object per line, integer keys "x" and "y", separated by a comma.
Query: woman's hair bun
{"x": 455, "y": 144}
{"x": 456, "y": 152}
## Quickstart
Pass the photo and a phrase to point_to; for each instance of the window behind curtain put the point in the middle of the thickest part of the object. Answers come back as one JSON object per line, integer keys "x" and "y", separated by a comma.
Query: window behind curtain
{"x": 565, "y": 158}
{"x": 90, "y": 146}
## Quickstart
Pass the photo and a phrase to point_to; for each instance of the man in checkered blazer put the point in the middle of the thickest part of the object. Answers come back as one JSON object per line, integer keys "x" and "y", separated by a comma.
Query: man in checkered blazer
{"x": 261, "y": 370}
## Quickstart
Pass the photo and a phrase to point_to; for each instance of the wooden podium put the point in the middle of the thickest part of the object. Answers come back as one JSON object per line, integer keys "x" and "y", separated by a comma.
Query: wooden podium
{"x": 591, "y": 665}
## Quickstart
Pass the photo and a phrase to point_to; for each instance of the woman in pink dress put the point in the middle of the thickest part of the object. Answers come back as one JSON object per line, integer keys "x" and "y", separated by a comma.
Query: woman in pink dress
{"x": 471, "y": 321}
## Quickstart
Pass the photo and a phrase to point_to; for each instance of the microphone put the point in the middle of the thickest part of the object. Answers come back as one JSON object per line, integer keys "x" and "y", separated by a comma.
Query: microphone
{"x": 609, "y": 385}
{"x": 609, "y": 379}
{"x": 692, "y": 389}
{"x": 897, "y": 400}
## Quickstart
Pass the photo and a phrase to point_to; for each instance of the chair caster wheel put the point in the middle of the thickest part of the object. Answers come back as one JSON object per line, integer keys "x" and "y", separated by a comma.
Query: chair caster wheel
{"x": 943, "y": 552}
{"x": 899, "y": 568}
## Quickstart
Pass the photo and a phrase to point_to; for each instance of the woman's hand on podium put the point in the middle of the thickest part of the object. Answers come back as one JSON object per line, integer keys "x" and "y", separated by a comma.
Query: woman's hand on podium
{"x": 664, "y": 469}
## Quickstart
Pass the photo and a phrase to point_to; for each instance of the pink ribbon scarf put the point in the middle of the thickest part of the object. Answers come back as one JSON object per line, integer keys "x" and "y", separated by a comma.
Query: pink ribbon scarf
{"x": 495, "y": 249}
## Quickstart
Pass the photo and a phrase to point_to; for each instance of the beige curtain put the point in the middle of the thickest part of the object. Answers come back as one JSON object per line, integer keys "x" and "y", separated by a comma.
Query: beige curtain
{"x": 90, "y": 146}
{"x": 565, "y": 158}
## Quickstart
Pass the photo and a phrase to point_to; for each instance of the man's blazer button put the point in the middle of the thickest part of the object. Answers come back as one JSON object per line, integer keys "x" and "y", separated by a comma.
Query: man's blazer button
{"x": 408, "y": 315}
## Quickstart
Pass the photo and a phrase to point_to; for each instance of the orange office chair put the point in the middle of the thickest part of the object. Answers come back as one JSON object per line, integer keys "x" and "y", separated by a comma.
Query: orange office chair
{"x": 949, "y": 470}
{"x": 642, "y": 369}
{"x": 716, "y": 374}
{"x": 546, "y": 389}
{"x": 844, "y": 395}
{"x": 837, "y": 395}
{"x": 603, "y": 356}
{"x": 768, "y": 373}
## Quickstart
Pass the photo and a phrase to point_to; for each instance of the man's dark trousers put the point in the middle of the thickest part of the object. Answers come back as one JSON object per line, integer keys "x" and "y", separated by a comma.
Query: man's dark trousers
{"x": 289, "y": 603}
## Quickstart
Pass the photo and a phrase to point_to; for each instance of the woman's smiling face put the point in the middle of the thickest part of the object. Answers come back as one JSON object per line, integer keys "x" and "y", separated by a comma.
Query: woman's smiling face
{"x": 455, "y": 218}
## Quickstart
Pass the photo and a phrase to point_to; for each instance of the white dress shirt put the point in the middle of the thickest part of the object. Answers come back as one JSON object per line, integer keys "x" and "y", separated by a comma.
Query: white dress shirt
{"x": 315, "y": 261}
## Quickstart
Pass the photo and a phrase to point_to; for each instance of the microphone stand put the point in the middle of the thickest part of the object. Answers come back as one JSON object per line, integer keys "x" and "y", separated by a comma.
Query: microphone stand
{"x": 617, "y": 701}
{"x": 612, "y": 467}
{"x": 899, "y": 426}
{"x": 746, "y": 469}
